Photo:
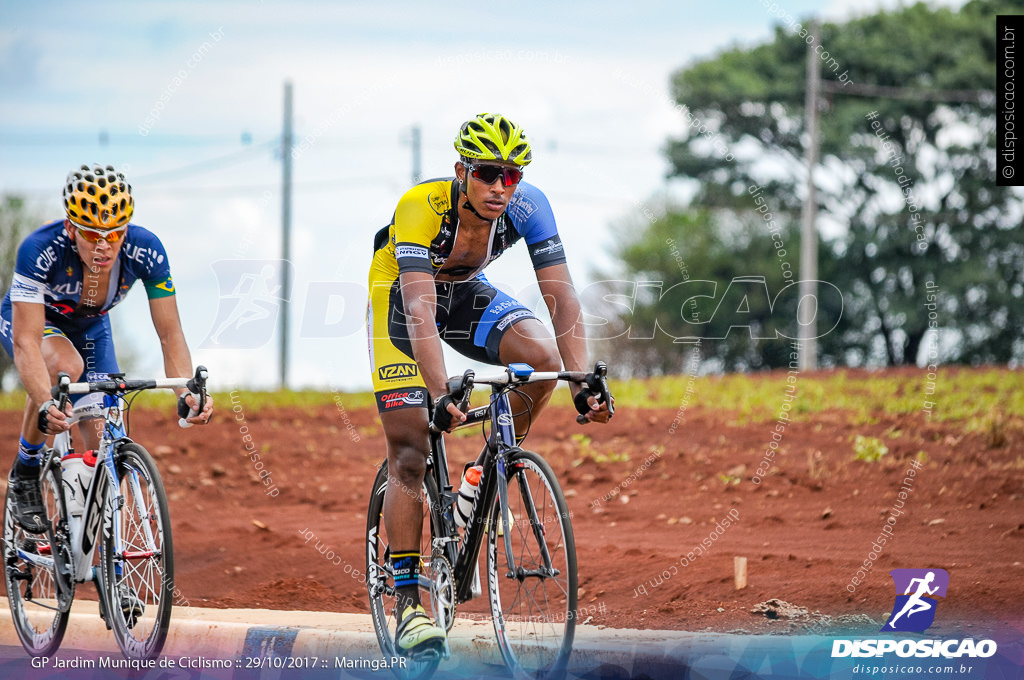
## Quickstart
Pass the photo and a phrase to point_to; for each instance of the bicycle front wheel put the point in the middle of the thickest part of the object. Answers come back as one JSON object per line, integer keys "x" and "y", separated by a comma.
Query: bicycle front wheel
{"x": 39, "y": 595}
{"x": 138, "y": 564}
{"x": 531, "y": 570}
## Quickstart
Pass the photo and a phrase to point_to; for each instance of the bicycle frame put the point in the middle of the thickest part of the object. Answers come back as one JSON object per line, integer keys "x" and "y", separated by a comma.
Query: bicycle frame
{"x": 502, "y": 439}
{"x": 83, "y": 533}
{"x": 501, "y": 442}
{"x": 104, "y": 488}
{"x": 85, "y": 530}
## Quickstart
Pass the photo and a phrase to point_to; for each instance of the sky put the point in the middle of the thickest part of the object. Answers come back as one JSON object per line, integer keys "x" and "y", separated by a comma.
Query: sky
{"x": 187, "y": 99}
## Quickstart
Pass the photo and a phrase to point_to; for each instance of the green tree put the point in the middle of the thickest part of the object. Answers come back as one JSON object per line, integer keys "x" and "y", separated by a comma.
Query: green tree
{"x": 909, "y": 70}
{"x": 16, "y": 221}
{"x": 689, "y": 274}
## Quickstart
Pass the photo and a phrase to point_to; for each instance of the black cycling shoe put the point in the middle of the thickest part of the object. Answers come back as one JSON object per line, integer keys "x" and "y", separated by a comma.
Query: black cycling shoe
{"x": 27, "y": 504}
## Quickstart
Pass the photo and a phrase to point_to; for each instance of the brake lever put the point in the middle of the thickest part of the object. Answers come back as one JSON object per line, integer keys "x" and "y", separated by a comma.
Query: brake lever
{"x": 597, "y": 382}
{"x": 461, "y": 388}
{"x": 197, "y": 388}
{"x": 60, "y": 391}
{"x": 601, "y": 376}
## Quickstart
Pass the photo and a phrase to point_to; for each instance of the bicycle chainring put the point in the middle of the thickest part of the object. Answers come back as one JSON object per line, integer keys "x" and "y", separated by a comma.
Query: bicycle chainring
{"x": 63, "y": 558}
{"x": 442, "y": 589}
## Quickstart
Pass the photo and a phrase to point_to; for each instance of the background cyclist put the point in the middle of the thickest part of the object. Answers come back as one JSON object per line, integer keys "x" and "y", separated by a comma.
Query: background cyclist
{"x": 426, "y": 285}
{"x": 67, "y": 276}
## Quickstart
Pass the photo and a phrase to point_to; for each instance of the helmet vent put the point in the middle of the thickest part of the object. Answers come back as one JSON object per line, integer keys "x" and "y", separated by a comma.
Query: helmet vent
{"x": 98, "y": 196}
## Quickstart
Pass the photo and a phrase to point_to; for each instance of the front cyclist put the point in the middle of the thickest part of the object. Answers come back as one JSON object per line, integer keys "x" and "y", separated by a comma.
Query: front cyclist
{"x": 67, "y": 276}
{"x": 426, "y": 285}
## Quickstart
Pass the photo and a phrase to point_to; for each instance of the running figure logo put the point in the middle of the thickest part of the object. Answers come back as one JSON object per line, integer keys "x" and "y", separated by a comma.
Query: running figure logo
{"x": 915, "y": 611}
{"x": 250, "y": 299}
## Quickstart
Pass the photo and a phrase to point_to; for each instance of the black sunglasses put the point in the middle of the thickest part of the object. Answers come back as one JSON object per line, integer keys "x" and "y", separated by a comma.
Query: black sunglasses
{"x": 488, "y": 173}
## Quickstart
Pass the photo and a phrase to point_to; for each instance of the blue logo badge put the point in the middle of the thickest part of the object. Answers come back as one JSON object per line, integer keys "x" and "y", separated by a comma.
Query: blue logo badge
{"x": 916, "y": 593}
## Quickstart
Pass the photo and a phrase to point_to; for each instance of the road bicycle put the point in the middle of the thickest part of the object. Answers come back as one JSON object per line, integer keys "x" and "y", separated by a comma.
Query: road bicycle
{"x": 519, "y": 512}
{"x": 124, "y": 519}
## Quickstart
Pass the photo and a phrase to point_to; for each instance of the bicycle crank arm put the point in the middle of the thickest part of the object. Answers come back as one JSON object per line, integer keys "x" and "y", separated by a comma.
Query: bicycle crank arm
{"x": 102, "y": 592}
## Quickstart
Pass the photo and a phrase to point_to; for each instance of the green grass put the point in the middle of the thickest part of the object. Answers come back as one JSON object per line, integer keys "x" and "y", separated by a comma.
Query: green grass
{"x": 959, "y": 394}
{"x": 248, "y": 400}
{"x": 869, "y": 449}
{"x": 969, "y": 395}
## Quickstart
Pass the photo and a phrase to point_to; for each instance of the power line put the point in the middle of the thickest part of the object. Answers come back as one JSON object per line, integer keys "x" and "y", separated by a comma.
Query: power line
{"x": 207, "y": 165}
{"x": 235, "y": 190}
{"x": 888, "y": 92}
{"x": 104, "y": 138}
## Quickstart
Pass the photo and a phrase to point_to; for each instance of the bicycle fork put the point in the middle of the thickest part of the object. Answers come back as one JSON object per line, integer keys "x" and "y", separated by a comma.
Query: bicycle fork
{"x": 506, "y": 442}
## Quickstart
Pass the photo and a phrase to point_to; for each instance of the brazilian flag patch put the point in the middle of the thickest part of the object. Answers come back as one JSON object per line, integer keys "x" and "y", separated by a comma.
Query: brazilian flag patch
{"x": 159, "y": 289}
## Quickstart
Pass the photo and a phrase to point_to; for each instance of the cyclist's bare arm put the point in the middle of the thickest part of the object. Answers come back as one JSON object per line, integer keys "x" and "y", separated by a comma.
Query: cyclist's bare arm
{"x": 28, "y": 320}
{"x": 564, "y": 306}
{"x": 177, "y": 359}
{"x": 419, "y": 300}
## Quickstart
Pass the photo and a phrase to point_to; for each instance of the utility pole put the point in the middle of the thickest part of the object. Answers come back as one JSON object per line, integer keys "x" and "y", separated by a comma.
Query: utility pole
{"x": 287, "y": 141}
{"x": 417, "y": 171}
{"x": 807, "y": 313}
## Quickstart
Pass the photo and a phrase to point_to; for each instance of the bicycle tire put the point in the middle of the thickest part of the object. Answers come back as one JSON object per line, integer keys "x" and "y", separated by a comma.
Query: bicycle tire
{"x": 40, "y": 600}
{"x": 379, "y": 582}
{"x": 534, "y": 614}
{"x": 139, "y": 581}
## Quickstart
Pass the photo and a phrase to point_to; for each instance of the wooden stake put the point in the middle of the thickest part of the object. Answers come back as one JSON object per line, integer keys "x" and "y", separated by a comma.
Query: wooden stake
{"x": 739, "y": 566}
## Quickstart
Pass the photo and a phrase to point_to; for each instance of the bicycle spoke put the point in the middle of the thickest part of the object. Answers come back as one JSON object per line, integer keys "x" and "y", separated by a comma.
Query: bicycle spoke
{"x": 137, "y": 561}
{"x": 533, "y": 606}
{"x": 380, "y": 581}
{"x": 143, "y": 507}
{"x": 39, "y": 601}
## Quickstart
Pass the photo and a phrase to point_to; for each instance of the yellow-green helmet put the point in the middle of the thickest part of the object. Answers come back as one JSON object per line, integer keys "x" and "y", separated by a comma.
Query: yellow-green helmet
{"x": 493, "y": 137}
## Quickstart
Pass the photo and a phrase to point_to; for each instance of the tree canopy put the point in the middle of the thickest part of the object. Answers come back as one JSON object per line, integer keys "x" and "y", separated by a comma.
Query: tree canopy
{"x": 16, "y": 221}
{"x": 906, "y": 185}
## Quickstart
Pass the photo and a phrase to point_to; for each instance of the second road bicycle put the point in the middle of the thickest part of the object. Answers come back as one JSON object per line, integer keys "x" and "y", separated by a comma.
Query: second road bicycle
{"x": 124, "y": 519}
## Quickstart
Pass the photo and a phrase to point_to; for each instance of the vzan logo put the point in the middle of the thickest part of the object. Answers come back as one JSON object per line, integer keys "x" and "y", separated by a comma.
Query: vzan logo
{"x": 396, "y": 371}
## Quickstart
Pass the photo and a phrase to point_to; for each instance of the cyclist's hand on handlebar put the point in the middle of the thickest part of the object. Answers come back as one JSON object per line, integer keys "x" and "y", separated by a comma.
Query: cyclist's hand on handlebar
{"x": 187, "y": 405}
{"x": 446, "y": 414}
{"x": 590, "y": 406}
{"x": 51, "y": 420}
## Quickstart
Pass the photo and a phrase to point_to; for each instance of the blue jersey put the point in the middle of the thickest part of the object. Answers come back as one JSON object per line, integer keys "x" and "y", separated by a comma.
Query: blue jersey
{"x": 49, "y": 271}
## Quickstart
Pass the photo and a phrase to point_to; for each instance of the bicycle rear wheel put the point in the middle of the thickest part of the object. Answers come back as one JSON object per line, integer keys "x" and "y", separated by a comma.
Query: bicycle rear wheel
{"x": 138, "y": 559}
{"x": 37, "y": 571}
{"x": 533, "y": 605}
{"x": 380, "y": 583}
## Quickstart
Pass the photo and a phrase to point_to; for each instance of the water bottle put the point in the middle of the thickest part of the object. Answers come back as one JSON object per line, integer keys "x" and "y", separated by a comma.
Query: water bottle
{"x": 78, "y": 469}
{"x": 467, "y": 494}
